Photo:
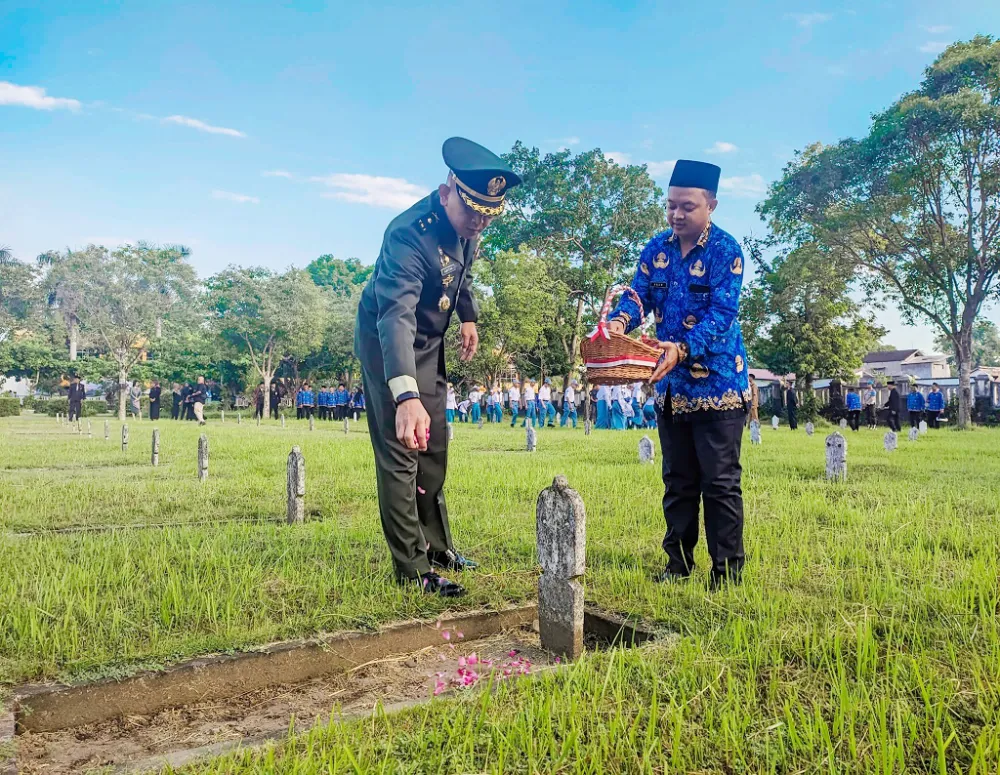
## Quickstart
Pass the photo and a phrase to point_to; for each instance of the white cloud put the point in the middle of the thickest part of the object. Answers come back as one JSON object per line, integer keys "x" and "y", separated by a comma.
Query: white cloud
{"x": 722, "y": 147}
{"x": 573, "y": 140}
{"x": 938, "y": 29}
{"x": 748, "y": 187}
{"x": 374, "y": 190}
{"x": 231, "y": 197}
{"x": 277, "y": 174}
{"x": 933, "y": 47}
{"x": 660, "y": 169}
{"x": 33, "y": 97}
{"x": 619, "y": 157}
{"x": 809, "y": 19}
{"x": 201, "y": 126}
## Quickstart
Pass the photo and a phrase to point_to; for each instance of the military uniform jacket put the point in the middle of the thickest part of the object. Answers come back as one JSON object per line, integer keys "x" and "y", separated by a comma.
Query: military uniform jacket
{"x": 421, "y": 277}
{"x": 695, "y": 301}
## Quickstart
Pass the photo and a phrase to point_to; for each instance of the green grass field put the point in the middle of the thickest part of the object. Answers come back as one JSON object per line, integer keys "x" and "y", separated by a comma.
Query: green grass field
{"x": 864, "y": 638}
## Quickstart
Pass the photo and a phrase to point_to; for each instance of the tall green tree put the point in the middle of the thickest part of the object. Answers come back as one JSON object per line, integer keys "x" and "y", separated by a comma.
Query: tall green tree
{"x": 267, "y": 317}
{"x": 589, "y": 218}
{"x": 64, "y": 280}
{"x": 809, "y": 324}
{"x": 20, "y": 295}
{"x": 342, "y": 277}
{"x": 985, "y": 344}
{"x": 915, "y": 203}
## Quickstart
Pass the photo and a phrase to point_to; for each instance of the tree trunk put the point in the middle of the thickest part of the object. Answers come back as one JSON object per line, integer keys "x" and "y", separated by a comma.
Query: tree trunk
{"x": 159, "y": 328}
{"x": 74, "y": 333}
{"x": 574, "y": 344}
{"x": 122, "y": 390}
{"x": 963, "y": 356}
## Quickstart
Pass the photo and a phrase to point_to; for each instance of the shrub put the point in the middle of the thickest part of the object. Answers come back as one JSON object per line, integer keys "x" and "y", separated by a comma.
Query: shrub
{"x": 90, "y": 408}
{"x": 10, "y": 407}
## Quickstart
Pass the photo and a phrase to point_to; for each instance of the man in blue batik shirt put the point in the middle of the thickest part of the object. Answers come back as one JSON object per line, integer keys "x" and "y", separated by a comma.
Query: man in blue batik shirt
{"x": 690, "y": 277}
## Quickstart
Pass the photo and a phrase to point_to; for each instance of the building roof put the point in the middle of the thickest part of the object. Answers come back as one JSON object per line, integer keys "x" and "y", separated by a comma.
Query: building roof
{"x": 992, "y": 371}
{"x": 881, "y": 356}
{"x": 927, "y": 359}
{"x": 767, "y": 376}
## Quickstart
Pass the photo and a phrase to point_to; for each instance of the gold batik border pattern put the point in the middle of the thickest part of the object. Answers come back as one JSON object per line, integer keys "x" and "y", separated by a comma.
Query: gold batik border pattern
{"x": 731, "y": 399}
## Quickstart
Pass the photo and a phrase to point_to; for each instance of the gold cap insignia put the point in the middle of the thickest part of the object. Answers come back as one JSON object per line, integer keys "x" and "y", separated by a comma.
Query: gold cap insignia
{"x": 496, "y": 185}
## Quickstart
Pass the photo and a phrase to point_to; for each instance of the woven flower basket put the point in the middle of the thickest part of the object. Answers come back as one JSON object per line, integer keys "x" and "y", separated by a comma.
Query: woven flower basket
{"x": 616, "y": 359}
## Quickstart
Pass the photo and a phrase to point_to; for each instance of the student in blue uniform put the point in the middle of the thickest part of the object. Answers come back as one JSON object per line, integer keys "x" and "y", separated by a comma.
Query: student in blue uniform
{"x": 530, "y": 407}
{"x": 935, "y": 405}
{"x": 915, "y": 405}
{"x": 690, "y": 277}
{"x": 649, "y": 411}
{"x": 305, "y": 402}
{"x": 357, "y": 404}
{"x": 603, "y": 408}
{"x": 340, "y": 400}
{"x": 853, "y": 403}
{"x": 569, "y": 403}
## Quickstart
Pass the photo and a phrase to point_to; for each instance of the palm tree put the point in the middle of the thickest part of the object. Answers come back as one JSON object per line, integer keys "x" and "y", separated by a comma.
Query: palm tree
{"x": 6, "y": 255}
{"x": 62, "y": 284}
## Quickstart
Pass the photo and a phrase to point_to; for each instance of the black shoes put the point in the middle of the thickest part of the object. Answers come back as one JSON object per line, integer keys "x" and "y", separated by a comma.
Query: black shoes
{"x": 433, "y": 584}
{"x": 452, "y": 561}
{"x": 672, "y": 577}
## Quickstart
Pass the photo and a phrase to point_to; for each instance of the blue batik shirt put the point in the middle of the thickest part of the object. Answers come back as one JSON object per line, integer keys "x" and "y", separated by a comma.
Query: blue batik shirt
{"x": 853, "y": 402}
{"x": 915, "y": 401}
{"x": 695, "y": 301}
{"x": 935, "y": 401}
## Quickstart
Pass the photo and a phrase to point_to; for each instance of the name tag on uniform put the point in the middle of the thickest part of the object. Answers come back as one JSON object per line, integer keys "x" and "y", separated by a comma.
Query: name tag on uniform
{"x": 699, "y": 288}
{"x": 658, "y": 285}
{"x": 448, "y": 269}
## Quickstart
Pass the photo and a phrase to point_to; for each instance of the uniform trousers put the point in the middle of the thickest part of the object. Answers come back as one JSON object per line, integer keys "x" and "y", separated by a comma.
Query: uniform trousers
{"x": 793, "y": 420}
{"x": 74, "y": 410}
{"x": 893, "y": 419}
{"x": 854, "y": 418}
{"x": 915, "y": 419}
{"x": 932, "y": 418}
{"x": 870, "y": 418}
{"x": 410, "y": 483}
{"x": 701, "y": 464}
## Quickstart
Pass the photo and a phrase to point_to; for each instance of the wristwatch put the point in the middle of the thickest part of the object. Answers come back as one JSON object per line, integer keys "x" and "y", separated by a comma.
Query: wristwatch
{"x": 405, "y": 397}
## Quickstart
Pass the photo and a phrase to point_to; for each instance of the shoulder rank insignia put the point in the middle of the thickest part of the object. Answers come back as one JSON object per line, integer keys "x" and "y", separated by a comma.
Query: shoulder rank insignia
{"x": 737, "y": 267}
{"x": 426, "y": 221}
{"x": 698, "y": 268}
{"x": 661, "y": 261}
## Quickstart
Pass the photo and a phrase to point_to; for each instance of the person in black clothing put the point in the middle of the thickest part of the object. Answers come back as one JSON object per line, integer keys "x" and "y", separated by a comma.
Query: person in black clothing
{"x": 792, "y": 402}
{"x": 154, "y": 400}
{"x": 894, "y": 405}
{"x": 77, "y": 392}
{"x": 275, "y": 398}
{"x": 198, "y": 398}
{"x": 178, "y": 401}
{"x": 258, "y": 400}
{"x": 187, "y": 410}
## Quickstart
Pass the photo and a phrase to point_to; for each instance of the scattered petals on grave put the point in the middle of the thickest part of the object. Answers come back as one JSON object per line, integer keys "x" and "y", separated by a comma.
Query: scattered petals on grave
{"x": 471, "y": 669}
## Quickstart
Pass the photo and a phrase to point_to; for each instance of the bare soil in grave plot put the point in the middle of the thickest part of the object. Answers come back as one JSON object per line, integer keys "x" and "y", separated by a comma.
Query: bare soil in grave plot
{"x": 170, "y": 736}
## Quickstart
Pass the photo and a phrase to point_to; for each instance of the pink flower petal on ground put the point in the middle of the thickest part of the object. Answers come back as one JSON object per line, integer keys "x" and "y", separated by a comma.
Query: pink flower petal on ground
{"x": 439, "y": 687}
{"x": 446, "y": 635}
{"x": 462, "y": 662}
{"x": 558, "y": 660}
{"x": 460, "y": 635}
{"x": 473, "y": 659}
{"x": 512, "y": 653}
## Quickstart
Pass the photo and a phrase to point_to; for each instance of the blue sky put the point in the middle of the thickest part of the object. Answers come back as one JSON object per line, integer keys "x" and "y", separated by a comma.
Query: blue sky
{"x": 270, "y": 133}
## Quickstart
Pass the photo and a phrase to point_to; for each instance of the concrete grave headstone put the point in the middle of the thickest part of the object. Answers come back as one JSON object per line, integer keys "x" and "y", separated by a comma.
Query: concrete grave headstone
{"x": 347, "y": 426}
{"x": 282, "y": 419}
{"x": 754, "y": 432}
{"x": 647, "y": 453}
{"x": 203, "y": 457}
{"x": 107, "y": 430}
{"x": 914, "y": 434}
{"x": 587, "y": 427}
{"x": 451, "y": 432}
{"x": 312, "y": 423}
{"x": 296, "y": 487}
{"x": 532, "y": 438}
{"x": 561, "y": 525}
{"x": 155, "y": 459}
{"x": 836, "y": 457}
{"x": 810, "y": 429}
{"x": 923, "y": 427}
{"x": 890, "y": 441}
{"x": 90, "y": 430}
{"x": 774, "y": 422}
{"x": 222, "y": 415}
{"x": 481, "y": 423}
{"x": 843, "y": 423}
{"x": 125, "y": 438}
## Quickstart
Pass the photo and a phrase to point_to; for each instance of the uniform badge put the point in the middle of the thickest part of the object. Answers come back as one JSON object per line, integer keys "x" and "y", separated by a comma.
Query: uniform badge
{"x": 644, "y": 269}
{"x": 698, "y": 371}
{"x": 445, "y": 258}
{"x": 658, "y": 316}
{"x": 445, "y": 303}
{"x": 698, "y": 268}
{"x": 496, "y": 185}
{"x": 661, "y": 261}
{"x": 739, "y": 364}
{"x": 737, "y": 267}
{"x": 447, "y": 280}
{"x": 690, "y": 322}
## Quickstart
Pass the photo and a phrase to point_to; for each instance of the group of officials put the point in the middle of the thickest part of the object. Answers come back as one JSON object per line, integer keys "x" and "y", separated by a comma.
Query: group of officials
{"x": 688, "y": 277}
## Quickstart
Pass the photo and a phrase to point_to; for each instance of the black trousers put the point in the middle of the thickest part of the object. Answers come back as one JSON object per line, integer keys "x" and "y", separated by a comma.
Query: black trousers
{"x": 871, "y": 420}
{"x": 915, "y": 419}
{"x": 793, "y": 421}
{"x": 410, "y": 483}
{"x": 701, "y": 463}
{"x": 932, "y": 418}
{"x": 74, "y": 411}
{"x": 854, "y": 418}
{"x": 189, "y": 411}
{"x": 274, "y": 409}
{"x": 259, "y": 411}
{"x": 175, "y": 409}
{"x": 154, "y": 410}
{"x": 893, "y": 418}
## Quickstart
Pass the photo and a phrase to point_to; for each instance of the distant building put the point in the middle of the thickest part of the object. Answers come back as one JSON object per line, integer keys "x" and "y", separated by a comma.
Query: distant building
{"x": 893, "y": 364}
{"x": 13, "y": 386}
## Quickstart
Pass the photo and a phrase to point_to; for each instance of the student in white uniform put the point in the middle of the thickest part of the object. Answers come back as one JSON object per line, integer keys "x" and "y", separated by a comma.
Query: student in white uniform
{"x": 529, "y": 403}
{"x": 603, "y": 408}
{"x": 569, "y": 404}
{"x": 514, "y": 399}
{"x": 474, "y": 408}
{"x": 549, "y": 411}
{"x": 451, "y": 404}
{"x": 497, "y": 404}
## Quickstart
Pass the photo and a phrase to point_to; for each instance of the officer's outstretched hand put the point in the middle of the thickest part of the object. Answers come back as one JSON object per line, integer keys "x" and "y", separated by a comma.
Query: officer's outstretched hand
{"x": 671, "y": 357}
{"x": 413, "y": 424}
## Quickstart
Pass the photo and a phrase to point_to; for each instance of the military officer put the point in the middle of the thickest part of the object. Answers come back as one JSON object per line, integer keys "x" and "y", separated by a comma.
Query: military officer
{"x": 690, "y": 278}
{"x": 421, "y": 278}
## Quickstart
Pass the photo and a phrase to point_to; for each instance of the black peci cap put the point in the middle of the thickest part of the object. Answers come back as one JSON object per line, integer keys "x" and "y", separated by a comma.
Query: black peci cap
{"x": 696, "y": 174}
{"x": 482, "y": 178}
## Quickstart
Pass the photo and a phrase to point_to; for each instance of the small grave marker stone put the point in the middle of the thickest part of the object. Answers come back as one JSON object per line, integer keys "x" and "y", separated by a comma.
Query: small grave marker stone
{"x": 532, "y": 438}
{"x": 107, "y": 430}
{"x": 843, "y": 423}
{"x": 156, "y": 448}
{"x": 296, "y": 487}
{"x": 347, "y": 426}
{"x": 754, "y": 432}
{"x": 890, "y": 441}
{"x": 202, "y": 457}
{"x": 451, "y": 431}
{"x": 125, "y": 438}
{"x": 810, "y": 429}
{"x": 923, "y": 427}
{"x": 587, "y": 427}
{"x": 836, "y": 457}
{"x": 282, "y": 419}
{"x": 561, "y": 525}
{"x": 647, "y": 452}
{"x": 312, "y": 423}
{"x": 774, "y": 422}
{"x": 914, "y": 434}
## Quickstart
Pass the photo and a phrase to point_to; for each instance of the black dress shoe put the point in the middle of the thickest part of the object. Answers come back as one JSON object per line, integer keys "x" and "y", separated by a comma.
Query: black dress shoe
{"x": 670, "y": 577}
{"x": 451, "y": 560}
{"x": 433, "y": 584}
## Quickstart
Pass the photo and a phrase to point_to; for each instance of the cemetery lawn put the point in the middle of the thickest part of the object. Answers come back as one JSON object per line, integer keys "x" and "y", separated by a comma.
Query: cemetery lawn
{"x": 865, "y": 637}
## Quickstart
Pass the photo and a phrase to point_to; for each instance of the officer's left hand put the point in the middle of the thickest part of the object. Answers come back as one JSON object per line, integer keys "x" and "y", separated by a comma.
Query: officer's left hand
{"x": 671, "y": 356}
{"x": 470, "y": 341}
